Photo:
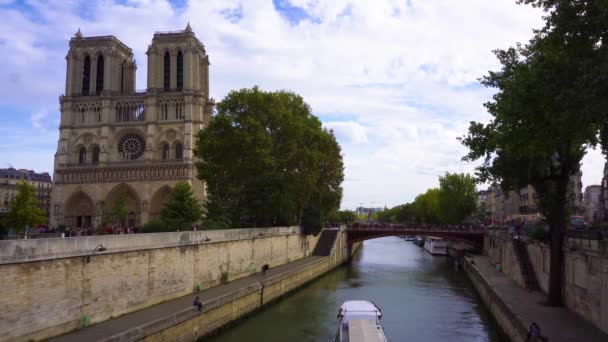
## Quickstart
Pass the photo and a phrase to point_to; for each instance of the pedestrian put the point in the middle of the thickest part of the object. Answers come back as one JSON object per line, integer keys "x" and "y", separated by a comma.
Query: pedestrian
{"x": 534, "y": 333}
{"x": 198, "y": 304}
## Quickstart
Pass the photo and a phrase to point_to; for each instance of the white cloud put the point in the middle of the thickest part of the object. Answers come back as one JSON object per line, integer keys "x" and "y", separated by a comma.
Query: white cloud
{"x": 402, "y": 75}
{"x": 37, "y": 119}
{"x": 348, "y": 131}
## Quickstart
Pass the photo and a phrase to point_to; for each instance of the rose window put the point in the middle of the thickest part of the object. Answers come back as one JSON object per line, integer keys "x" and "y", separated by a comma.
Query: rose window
{"x": 131, "y": 146}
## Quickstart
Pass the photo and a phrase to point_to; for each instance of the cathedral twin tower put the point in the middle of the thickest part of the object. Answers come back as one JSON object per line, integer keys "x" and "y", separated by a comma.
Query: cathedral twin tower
{"x": 120, "y": 144}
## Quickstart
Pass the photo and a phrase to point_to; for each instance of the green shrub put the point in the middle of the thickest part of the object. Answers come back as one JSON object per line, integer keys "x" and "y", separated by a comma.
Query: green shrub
{"x": 155, "y": 226}
{"x": 539, "y": 234}
{"x": 224, "y": 278}
{"x": 214, "y": 224}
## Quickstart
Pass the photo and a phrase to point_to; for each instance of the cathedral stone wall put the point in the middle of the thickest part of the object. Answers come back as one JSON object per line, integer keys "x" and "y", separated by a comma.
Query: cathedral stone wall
{"x": 120, "y": 144}
{"x": 49, "y": 287}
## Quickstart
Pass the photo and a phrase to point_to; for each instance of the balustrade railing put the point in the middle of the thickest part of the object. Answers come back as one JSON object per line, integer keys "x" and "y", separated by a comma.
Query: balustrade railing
{"x": 125, "y": 173}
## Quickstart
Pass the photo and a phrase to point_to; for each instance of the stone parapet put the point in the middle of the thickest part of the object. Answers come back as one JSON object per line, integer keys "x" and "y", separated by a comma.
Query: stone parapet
{"x": 17, "y": 251}
{"x": 585, "y": 284}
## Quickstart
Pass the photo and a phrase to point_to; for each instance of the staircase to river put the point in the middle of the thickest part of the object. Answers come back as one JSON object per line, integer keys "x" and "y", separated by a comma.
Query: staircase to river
{"x": 326, "y": 242}
{"x": 525, "y": 265}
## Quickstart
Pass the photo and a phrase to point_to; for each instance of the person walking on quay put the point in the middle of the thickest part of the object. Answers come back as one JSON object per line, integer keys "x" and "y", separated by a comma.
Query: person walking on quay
{"x": 198, "y": 304}
{"x": 534, "y": 334}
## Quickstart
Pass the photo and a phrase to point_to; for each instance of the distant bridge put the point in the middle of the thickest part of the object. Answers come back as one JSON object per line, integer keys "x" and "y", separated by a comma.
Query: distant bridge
{"x": 358, "y": 232}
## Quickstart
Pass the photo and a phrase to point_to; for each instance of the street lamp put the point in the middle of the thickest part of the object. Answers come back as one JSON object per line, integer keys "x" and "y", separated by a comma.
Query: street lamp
{"x": 98, "y": 248}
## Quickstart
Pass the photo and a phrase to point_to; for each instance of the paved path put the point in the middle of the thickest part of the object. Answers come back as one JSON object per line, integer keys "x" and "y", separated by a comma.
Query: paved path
{"x": 558, "y": 324}
{"x": 128, "y": 321}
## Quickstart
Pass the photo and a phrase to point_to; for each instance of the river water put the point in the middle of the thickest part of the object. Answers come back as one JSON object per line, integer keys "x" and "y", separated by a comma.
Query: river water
{"x": 423, "y": 298}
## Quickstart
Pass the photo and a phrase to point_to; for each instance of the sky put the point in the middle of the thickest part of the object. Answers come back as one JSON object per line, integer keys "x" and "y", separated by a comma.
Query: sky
{"x": 397, "y": 81}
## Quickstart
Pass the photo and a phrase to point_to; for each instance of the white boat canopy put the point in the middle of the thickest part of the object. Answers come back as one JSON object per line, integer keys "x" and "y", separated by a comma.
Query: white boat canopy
{"x": 359, "y": 309}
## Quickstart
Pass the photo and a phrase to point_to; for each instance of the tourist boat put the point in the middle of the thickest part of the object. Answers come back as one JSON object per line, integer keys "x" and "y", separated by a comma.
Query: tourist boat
{"x": 436, "y": 246}
{"x": 409, "y": 238}
{"x": 359, "y": 322}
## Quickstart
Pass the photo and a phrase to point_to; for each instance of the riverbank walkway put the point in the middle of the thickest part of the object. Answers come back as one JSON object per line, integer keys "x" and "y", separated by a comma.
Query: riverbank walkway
{"x": 130, "y": 322}
{"x": 558, "y": 324}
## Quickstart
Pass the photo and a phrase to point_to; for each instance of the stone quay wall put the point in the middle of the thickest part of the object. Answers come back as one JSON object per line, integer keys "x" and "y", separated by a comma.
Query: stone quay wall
{"x": 509, "y": 323}
{"x": 49, "y": 288}
{"x": 585, "y": 288}
{"x": 190, "y": 325}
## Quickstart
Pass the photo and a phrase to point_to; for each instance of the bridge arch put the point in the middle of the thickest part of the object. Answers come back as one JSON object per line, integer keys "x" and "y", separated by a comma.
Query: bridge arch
{"x": 360, "y": 233}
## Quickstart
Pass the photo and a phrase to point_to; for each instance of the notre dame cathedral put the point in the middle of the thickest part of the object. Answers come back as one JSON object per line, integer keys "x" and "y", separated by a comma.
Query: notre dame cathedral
{"x": 117, "y": 143}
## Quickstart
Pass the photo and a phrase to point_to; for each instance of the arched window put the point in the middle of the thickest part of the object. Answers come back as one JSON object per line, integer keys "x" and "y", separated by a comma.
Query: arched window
{"x": 167, "y": 71}
{"x": 180, "y": 70}
{"x": 179, "y": 151}
{"x": 99, "y": 81}
{"x": 82, "y": 155}
{"x": 95, "y": 158}
{"x": 165, "y": 151}
{"x": 86, "y": 76}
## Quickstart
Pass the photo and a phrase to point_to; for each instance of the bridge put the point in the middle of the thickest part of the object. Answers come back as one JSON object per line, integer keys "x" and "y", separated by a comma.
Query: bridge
{"x": 358, "y": 232}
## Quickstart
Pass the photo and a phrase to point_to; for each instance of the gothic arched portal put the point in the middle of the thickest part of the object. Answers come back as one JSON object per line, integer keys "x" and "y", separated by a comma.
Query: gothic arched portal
{"x": 79, "y": 211}
{"x": 122, "y": 206}
{"x": 158, "y": 201}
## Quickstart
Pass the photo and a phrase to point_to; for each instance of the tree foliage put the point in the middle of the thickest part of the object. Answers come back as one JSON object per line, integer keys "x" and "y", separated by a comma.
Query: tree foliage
{"x": 155, "y": 226}
{"x": 453, "y": 202}
{"x": 120, "y": 210}
{"x": 24, "y": 209}
{"x": 342, "y": 216}
{"x": 550, "y": 106}
{"x": 267, "y": 161}
{"x": 457, "y": 197}
{"x": 426, "y": 207}
{"x": 182, "y": 209}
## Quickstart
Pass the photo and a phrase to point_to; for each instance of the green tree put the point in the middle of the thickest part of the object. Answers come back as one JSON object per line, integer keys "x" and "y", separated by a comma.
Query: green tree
{"x": 24, "y": 209}
{"x": 480, "y": 212}
{"x": 182, "y": 209}
{"x": 266, "y": 160}
{"x": 426, "y": 207}
{"x": 120, "y": 210}
{"x": 550, "y": 106}
{"x": 457, "y": 197}
{"x": 342, "y": 216}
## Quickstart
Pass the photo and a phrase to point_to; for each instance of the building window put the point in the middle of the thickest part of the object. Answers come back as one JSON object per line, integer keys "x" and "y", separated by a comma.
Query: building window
{"x": 82, "y": 155}
{"x": 99, "y": 81}
{"x": 179, "y": 111}
{"x": 95, "y": 158}
{"x": 86, "y": 76}
{"x": 167, "y": 71}
{"x": 180, "y": 70}
{"x": 179, "y": 151}
{"x": 165, "y": 151}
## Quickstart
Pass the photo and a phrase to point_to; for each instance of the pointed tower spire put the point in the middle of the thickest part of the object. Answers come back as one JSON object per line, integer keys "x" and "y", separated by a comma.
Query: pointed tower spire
{"x": 188, "y": 28}
{"x": 78, "y": 34}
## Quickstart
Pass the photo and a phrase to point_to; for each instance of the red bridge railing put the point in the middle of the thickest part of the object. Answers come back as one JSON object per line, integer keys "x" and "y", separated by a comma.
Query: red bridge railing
{"x": 364, "y": 231}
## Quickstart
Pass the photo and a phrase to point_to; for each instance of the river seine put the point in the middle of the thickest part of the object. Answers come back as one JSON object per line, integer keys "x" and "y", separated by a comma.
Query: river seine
{"x": 423, "y": 298}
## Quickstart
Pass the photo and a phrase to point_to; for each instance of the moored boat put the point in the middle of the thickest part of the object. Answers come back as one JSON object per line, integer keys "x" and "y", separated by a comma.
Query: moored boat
{"x": 419, "y": 241}
{"x": 436, "y": 246}
{"x": 359, "y": 321}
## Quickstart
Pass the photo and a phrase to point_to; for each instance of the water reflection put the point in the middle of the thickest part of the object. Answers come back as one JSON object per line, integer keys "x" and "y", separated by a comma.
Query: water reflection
{"x": 423, "y": 298}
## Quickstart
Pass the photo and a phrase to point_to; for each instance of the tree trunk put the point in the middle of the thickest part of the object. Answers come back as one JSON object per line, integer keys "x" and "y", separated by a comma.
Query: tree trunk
{"x": 557, "y": 222}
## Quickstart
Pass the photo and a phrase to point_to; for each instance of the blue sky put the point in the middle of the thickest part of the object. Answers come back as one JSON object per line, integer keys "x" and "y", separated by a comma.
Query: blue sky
{"x": 395, "y": 79}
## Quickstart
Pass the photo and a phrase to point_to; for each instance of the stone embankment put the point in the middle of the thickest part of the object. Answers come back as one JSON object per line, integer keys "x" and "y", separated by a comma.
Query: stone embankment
{"x": 513, "y": 279}
{"x": 52, "y": 286}
{"x": 515, "y": 308}
{"x": 178, "y": 320}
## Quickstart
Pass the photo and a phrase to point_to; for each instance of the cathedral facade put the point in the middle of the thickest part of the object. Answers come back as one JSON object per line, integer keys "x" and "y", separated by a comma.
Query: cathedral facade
{"x": 122, "y": 145}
